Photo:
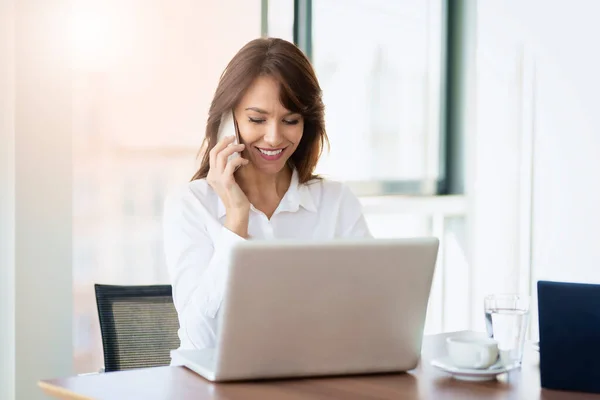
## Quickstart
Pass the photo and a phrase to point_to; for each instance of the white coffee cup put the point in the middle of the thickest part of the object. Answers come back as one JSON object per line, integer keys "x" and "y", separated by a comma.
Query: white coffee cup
{"x": 474, "y": 353}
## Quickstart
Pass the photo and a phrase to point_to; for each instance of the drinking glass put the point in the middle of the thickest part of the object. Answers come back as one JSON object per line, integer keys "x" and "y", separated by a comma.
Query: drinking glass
{"x": 507, "y": 319}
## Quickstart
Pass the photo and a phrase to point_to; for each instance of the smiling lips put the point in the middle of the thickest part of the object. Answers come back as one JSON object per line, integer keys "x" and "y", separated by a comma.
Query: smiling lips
{"x": 270, "y": 154}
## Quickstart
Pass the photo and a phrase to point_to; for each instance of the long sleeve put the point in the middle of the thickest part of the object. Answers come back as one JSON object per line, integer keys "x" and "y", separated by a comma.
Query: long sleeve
{"x": 197, "y": 262}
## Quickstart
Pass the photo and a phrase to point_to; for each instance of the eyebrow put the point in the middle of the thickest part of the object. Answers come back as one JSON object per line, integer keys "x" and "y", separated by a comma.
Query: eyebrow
{"x": 261, "y": 111}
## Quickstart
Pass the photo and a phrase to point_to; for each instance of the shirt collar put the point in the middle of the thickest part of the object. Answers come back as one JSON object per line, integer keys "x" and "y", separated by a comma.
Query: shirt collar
{"x": 298, "y": 195}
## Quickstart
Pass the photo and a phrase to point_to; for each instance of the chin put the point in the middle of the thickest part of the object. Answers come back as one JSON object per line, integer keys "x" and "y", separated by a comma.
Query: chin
{"x": 271, "y": 169}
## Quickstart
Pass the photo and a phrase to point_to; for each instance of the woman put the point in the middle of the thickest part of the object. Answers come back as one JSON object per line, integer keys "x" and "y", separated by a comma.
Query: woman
{"x": 270, "y": 192}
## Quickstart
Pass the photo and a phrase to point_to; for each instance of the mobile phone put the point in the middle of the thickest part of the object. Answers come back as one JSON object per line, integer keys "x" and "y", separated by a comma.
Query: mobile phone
{"x": 228, "y": 127}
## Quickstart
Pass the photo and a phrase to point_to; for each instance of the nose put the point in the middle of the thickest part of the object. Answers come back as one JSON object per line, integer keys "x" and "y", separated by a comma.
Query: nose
{"x": 273, "y": 136}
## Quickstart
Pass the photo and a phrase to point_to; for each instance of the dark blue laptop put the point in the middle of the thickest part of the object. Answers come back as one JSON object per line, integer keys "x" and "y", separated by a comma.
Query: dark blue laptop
{"x": 569, "y": 321}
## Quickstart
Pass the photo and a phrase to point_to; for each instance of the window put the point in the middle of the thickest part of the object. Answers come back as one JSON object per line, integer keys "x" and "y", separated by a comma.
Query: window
{"x": 386, "y": 137}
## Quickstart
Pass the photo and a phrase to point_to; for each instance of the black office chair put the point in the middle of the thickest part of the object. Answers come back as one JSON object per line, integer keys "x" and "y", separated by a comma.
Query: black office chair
{"x": 138, "y": 324}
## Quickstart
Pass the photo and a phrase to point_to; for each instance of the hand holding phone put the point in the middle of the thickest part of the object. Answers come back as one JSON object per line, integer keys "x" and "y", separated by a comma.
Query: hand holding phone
{"x": 224, "y": 161}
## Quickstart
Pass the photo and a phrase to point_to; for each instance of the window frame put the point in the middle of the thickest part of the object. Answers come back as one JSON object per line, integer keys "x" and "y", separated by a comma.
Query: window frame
{"x": 451, "y": 150}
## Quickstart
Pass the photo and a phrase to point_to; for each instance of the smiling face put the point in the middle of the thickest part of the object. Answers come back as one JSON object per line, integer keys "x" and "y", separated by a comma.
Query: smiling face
{"x": 264, "y": 82}
{"x": 270, "y": 132}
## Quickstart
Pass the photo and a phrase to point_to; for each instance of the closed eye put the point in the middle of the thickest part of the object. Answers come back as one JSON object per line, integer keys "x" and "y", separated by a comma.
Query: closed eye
{"x": 256, "y": 120}
{"x": 291, "y": 122}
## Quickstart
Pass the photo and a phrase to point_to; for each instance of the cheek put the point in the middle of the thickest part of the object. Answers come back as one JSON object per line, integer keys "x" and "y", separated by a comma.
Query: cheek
{"x": 295, "y": 132}
{"x": 250, "y": 132}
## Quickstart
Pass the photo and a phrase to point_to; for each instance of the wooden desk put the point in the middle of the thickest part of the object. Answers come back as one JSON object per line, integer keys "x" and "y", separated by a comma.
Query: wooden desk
{"x": 423, "y": 383}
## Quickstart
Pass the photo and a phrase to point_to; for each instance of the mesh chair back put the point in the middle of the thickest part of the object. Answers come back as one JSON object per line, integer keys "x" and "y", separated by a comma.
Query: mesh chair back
{"x": 138, "y": 324}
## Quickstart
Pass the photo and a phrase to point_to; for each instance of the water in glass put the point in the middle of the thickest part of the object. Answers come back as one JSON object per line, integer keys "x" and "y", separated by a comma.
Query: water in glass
{"x": 508, "y": 327}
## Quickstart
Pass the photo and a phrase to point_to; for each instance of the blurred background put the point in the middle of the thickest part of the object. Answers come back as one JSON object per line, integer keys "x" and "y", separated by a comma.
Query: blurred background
{"x": 471, "y": 123}
{"x": 474, "y": 121}
{"x": 146, "y": 73}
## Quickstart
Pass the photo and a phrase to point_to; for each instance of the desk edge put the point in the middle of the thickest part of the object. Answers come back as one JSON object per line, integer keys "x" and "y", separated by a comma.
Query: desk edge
{"x": 60, "y": 392}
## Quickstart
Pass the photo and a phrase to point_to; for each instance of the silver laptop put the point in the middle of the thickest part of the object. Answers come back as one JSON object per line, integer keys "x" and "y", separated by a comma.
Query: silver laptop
{"x": 295, "y": 309}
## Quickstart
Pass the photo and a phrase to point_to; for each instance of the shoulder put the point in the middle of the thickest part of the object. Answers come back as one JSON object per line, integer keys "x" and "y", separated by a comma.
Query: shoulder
{"x": 190, "y": 192}
{"x": 190, "y": 196}
{"x": 336, "y": 200}
{"x": 330, "y": 191}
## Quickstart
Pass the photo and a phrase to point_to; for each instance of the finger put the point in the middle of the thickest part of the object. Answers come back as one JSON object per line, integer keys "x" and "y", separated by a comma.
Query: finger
{"x": 225, "y": 153}
{"x": 218, "y": 147}
{"x": 233, "y": 165}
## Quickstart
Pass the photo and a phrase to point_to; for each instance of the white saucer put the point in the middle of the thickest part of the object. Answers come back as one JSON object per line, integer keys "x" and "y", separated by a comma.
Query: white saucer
{"x": 473, "y": 375}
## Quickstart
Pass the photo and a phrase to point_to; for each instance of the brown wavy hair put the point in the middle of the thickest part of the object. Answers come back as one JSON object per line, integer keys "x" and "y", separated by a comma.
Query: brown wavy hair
{"x": 299, "y": 92}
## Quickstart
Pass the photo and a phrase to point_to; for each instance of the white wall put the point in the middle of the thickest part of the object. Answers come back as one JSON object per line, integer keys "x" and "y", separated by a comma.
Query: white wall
{"x": 495, "y": 159}
{"x": 567, "y": 167}
{"x": 7, "y": 173}
{"x": 535, "y": 189}
{"x": 566, "y": 205}
{"x": 36, "y": 196}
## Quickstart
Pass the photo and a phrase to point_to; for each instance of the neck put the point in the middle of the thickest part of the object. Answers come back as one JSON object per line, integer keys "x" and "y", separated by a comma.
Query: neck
{"x": 256, "y": 184}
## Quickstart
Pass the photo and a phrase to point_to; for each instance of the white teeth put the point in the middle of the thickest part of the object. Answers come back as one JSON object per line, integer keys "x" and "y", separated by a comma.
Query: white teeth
{"x": 270, "y": 153}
